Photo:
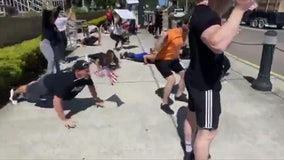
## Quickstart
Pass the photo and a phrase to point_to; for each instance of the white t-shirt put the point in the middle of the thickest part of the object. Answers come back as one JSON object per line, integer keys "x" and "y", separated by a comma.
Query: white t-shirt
{"x": 91, "y": 28}
{"x": 61, "y": 23}
{"x": 117, "y": 30}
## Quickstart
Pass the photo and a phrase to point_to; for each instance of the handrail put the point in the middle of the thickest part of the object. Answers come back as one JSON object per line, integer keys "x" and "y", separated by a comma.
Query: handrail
{"x": 25, "y": 5}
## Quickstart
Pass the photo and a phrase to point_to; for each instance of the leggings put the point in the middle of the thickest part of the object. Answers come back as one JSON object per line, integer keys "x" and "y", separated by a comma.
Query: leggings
{"x": 64, "y": 38}
{"x": 52, "y": 60}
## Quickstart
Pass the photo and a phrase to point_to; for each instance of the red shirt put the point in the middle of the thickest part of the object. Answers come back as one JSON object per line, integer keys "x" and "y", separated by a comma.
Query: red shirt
{"x": 109, "y": 15}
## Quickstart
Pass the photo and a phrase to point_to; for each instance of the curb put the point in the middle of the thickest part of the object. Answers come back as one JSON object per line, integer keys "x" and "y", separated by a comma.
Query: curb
{"x": 278, "y": 76}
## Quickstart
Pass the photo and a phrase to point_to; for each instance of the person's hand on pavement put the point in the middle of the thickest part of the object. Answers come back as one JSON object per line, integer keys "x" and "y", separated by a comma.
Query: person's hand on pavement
{"x": 99, "y": 102}
{"x": 70, "y": 124}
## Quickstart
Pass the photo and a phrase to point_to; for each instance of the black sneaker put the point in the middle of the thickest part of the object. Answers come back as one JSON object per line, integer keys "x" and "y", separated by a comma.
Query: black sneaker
{"x": 182, "y": 98}
{"x": 209, "y": 157}
{"x": 166, "y": 108}
{"x": 189, "y": 156}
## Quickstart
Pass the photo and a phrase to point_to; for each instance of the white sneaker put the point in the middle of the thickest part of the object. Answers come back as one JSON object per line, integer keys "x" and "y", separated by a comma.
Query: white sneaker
{"x": 11, "y": 98}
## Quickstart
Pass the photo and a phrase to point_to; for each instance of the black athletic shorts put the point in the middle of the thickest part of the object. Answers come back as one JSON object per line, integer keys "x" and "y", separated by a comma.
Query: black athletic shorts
{"x": 166, "y": 67}
{"x": 206, "y": 105}
{"x": 36, "y": 90}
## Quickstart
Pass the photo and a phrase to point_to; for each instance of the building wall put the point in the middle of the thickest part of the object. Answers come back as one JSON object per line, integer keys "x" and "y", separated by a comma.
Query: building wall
{"x": 17, "y": 29}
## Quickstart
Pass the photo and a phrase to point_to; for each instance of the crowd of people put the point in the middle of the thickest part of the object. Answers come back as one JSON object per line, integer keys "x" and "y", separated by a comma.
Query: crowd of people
{"x": 208, "y": 38}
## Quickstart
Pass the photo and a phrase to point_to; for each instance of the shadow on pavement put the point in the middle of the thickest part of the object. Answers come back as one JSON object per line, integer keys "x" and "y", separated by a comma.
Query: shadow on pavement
{"x": 116, "y": 99}
{"x": 75, "y": 105}
{"x": 181, "y": 116}
{"x": 160, "y": 93}
{"x": 129, "y": 47}
{"x": 70, "y": 59}
{"x": 249, "y": 79}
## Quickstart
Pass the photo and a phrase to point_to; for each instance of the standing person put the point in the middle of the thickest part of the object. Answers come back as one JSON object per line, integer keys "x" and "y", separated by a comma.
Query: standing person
{"x": 116, "y": 34}
{"x": 50, "y": 42}
{"x": 61, "y": 23}
{"x": 208, "y": 40}
{"x": 167, "y": 60}
{"x": 109, "y": 16}
{"x": 158, "y": 21}
{"x": 62, "y": 86}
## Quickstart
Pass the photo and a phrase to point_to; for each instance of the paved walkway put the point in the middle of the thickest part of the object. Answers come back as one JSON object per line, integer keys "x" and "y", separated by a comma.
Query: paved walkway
{"x": 251, "y": 121}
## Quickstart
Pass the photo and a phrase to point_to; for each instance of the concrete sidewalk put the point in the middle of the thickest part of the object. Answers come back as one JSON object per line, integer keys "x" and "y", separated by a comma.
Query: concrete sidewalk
{"x": 250, "y": 128}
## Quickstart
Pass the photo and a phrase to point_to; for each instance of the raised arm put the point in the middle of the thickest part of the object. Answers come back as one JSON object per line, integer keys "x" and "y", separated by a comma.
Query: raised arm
{"x": 217, "y": 37}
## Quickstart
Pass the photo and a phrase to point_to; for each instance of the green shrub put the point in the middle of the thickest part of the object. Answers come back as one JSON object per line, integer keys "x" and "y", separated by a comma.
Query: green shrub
{"x": 79, "y": 10}
{"x": 18, "y": 60}
{"x": 97, "y": 21}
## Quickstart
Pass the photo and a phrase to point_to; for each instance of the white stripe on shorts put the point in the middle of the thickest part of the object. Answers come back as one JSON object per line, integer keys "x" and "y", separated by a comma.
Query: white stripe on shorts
{"x": 208, "y": 109}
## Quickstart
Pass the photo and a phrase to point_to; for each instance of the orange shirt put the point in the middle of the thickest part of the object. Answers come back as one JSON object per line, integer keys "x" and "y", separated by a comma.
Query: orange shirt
{"x": 174, "y": 42}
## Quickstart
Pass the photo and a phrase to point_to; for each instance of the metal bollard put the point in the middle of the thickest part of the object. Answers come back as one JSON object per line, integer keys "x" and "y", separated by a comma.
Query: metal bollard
{"x": 141, "y": 13}
{"x": 263, "y": 82}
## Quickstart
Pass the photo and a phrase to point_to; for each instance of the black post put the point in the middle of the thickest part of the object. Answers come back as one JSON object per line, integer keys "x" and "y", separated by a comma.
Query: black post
{"x": 141, "y": 13}
{"x": 263, "y": 82}
{"x": 170, "y": 21}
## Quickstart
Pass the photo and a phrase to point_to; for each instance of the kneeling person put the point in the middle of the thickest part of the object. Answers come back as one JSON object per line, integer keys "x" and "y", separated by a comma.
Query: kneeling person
{"x": 63, "y": 86}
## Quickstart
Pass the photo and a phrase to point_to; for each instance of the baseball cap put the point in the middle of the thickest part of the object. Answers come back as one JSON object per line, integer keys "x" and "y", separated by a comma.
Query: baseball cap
{"x": 81, "y": 65}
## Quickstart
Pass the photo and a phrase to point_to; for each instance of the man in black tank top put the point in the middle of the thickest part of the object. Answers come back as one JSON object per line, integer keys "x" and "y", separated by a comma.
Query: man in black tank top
{"x": 208, "y": 40}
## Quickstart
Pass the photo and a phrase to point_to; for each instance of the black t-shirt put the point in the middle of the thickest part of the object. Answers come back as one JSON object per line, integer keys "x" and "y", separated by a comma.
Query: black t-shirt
{"x": 65, "y": 85}
{"x": 158, "y": 17}
{"x": 52, "y": 34}
{"x": 204, "y": 72}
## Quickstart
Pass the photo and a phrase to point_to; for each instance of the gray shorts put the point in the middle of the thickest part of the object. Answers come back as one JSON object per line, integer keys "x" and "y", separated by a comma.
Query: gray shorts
{"x": 36, "y": 90}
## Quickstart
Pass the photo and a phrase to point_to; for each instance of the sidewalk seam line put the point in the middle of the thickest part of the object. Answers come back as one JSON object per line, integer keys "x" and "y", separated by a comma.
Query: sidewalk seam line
{"x": 157, "y": 83}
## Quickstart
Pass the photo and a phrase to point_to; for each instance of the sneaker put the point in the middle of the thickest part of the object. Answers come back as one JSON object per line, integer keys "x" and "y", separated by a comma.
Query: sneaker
{"x": 224, "y": 80}
{"x": 189, "y": 156}
{"x": 166, "y": 108}
{"x": 13, "y": 97}
{"x": 182, "y": 98}
{"x": 209, "y": 157}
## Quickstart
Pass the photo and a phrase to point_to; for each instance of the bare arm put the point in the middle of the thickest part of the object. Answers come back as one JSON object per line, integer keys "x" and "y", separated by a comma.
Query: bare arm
{"x": 69, "y": 14}
{"x": 217, "y": 37}
{"x": 99, "y": 102}
{"x": 93, "y": 91}
{"x": 58, "y": 106}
